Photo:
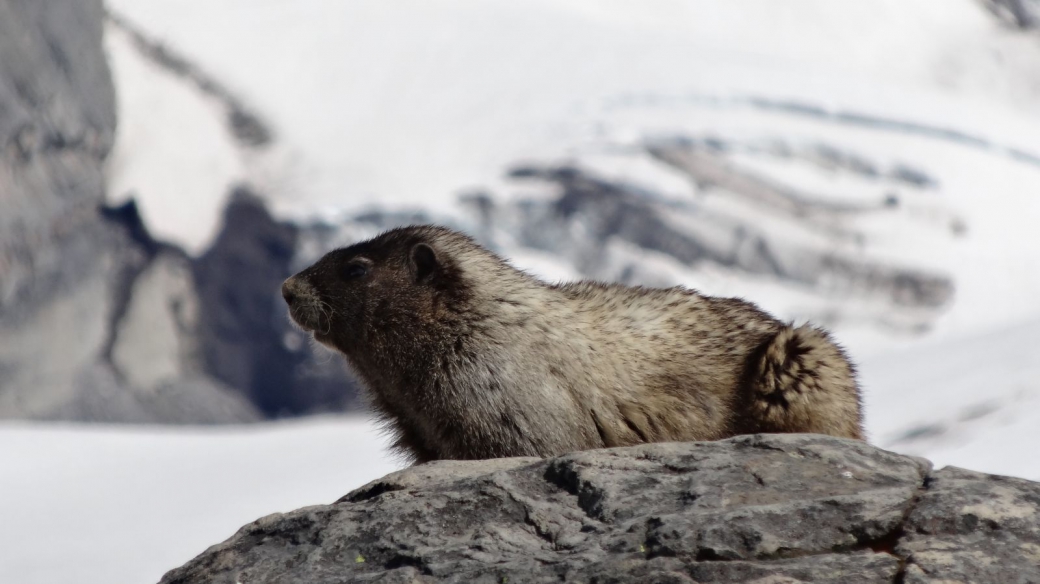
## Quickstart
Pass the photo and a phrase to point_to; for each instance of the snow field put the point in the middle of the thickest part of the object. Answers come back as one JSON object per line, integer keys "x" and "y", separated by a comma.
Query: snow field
{"x": 122, "y": 505}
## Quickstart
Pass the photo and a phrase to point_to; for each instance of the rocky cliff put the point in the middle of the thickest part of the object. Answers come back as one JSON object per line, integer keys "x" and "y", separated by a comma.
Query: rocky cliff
{"x": 766, "y": 508}
{"x": 99, "y": 321}
{"x": 74, "y": 276}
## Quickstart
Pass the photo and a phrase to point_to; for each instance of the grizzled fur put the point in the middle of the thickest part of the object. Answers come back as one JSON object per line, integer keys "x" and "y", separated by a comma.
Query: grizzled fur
{"x": 467, "y": 357}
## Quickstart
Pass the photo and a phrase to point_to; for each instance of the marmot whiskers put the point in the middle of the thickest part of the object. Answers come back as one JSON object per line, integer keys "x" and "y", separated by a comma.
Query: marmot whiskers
{"x": 467, "y": 357}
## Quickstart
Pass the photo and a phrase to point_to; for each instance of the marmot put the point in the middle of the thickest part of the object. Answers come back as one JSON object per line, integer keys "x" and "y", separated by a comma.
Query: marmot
{"x": 467, "y": 357}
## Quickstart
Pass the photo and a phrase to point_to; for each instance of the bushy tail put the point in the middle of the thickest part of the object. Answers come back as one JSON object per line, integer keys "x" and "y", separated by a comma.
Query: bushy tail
{"x": 801, "y": 381}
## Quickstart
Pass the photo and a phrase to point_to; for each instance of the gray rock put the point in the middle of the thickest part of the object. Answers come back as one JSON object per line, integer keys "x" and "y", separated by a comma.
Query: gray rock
{"x": 765, "y": 508}
{"x": 57, "y": 120}
{"x": 973, "y": 527}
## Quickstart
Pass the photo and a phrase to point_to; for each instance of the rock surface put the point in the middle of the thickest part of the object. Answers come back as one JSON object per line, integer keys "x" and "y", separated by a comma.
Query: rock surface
{"x": 766, "y": 508}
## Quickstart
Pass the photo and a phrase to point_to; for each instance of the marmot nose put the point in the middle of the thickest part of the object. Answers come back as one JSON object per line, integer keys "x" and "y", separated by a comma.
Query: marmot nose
{"x": 287, "y": 292}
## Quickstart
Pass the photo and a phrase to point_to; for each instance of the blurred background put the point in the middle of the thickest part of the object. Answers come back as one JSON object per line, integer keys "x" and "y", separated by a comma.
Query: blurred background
{"x": 869, "y": 165}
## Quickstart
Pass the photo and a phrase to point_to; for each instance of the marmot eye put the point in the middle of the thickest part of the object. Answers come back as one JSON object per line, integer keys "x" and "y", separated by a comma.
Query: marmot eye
{"x": 354, "y": 271}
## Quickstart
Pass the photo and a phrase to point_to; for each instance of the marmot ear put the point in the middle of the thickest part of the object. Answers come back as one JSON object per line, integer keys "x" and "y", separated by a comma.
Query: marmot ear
{"x": 424, "y": 261}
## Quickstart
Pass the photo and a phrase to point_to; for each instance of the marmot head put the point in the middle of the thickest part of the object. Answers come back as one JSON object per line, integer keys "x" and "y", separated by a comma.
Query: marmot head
{"x": 383, "y": 294}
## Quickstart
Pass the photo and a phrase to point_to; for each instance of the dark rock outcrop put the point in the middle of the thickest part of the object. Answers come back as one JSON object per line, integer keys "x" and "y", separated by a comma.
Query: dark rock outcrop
{"x": 767, "y": 508}
{"x": 238, "y": 280}
{"x": 245, "y": 334}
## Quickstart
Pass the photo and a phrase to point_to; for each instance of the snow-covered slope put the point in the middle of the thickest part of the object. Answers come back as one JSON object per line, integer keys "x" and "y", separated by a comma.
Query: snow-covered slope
{"x": 919, "y": 116}
{"x": 407, "y": 101}
{"x": 971, "y": 402}
{"x": 872, "y": 165}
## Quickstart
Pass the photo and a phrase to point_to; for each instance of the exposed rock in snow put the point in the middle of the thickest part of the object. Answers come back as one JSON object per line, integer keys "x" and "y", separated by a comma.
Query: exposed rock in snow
{"x": 245, "y": 337}
{"x": 1022, "y": 13}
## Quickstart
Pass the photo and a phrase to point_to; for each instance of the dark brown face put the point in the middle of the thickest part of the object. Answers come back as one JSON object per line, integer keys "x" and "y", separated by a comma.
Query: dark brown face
{"x": 368, "y": 289}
